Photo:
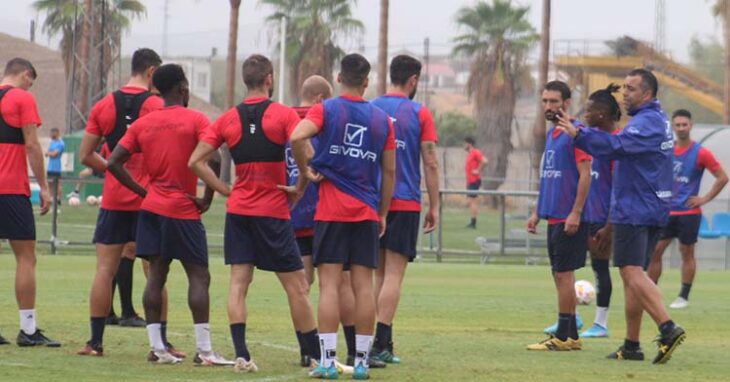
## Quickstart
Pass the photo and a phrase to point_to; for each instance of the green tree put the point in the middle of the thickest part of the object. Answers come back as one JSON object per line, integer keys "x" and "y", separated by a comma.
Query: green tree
{"x": 313, "y": 28}
{"x": 454, "y": 127}
{"x": 496, "y": 37}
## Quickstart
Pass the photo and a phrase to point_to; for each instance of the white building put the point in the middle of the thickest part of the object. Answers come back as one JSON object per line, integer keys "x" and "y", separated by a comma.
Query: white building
{"x": 198, "y": 72}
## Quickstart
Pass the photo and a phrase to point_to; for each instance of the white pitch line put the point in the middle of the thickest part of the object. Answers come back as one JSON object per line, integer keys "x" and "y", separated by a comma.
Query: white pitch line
{"x": 276, "y": 346}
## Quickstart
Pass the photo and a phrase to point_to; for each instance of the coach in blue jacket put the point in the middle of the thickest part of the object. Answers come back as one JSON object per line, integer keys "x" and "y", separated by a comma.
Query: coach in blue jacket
{"x": 640, "y": 205}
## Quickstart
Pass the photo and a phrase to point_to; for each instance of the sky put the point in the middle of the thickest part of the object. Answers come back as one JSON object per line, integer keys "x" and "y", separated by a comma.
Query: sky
{"x": 197, "y": 26}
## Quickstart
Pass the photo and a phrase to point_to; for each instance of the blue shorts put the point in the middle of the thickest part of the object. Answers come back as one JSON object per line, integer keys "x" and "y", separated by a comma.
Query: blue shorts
{"x": 305, "y": 245}
{"x": 473, "y": 186}
{"x": 268, "y": 243}
{"x": 634, "y": 244}
{"x": 115, "y": 227}
{"x": 401, "y": 233}
{"x": 16, "y": 218}
{"x": 567, "y": 252}
{"x": 347, "y": 243}
{"x": 169, "y": 238}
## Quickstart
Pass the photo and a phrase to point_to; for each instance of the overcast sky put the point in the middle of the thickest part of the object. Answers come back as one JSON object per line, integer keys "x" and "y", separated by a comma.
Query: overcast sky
{"x": 196, "y": 26}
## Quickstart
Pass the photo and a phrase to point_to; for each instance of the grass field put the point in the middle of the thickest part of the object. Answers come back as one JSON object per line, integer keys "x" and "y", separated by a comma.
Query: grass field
{"x": 458, "y": 322}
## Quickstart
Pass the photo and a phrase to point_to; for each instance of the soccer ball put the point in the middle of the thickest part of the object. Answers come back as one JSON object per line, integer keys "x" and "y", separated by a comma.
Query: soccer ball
{"x": 74, "y": 201}
{"x": 584, "y": 292}
{"x": 92, "y": 200}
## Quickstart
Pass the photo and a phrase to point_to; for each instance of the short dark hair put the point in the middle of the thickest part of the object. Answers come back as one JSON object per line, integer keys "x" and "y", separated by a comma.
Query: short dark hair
{"x": 143, "y": 59}
{"x": 682, "y": 113}
{"x": 55, "y": 129}
{"x": 403, "y": 67}
{"x": 648, "y": 80}
{"x": 255, "y": 69}
{"x": 18, "y": 65}
{"x": 558, "y": 86}
{"x": 354, "y": 70}
{"x": 167, "y": 77}
{"x": 470, "y": 140}
{"x": 604, "y": 97}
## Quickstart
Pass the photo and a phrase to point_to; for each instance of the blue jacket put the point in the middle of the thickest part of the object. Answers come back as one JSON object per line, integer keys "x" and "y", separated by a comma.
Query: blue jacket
{"x": 643, "y": 175}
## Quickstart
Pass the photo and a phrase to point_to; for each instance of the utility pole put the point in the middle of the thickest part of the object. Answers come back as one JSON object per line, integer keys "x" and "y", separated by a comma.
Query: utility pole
{"x": 282, "y": 60}
{"x": 427, "y": 79}
{"x": 383, "y": 48}
{"x": 32, "y": 30}
{"x": 230, "y": 80}
{"x": 538, "y": 132}
{"x": 165, "y": 19}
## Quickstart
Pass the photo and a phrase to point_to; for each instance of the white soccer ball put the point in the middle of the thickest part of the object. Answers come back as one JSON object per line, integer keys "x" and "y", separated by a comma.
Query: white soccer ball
{"x": 92, "y": 200}
{"x": 74, "y": 201}
{"x": 584, "y": 292}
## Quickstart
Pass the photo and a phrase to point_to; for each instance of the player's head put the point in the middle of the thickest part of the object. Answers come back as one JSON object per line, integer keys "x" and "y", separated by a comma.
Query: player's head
{"x": 55, "y": 133}
{"x": 144, "y": 63}
{"x": 315, "y": 89}
{"x": 258, "y": 74}
{"x": 555, "y": 97}
{"x": 404, "y": 74}
{"x": 354, "y": 71}
{"x": 682, "y": 124}
{"x": 170, "y": 81}
{"x": 640, "y": 87}
{"x": 602, "y": 108}
{"x": 20, "y": 72}
{"x": 469, "y": 143}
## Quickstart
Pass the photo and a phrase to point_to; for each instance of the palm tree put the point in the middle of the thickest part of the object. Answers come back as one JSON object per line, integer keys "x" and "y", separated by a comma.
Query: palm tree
{"x": 496, "y": 37}
{"x": 312, "y": 28}
{"x": 383, "y": 48}
{"x": 230, "y": 79}
{"x": 721, "y": 10}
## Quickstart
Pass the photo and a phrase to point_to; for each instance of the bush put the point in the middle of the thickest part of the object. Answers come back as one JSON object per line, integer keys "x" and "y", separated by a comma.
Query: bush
{"x": 454, "y": 127}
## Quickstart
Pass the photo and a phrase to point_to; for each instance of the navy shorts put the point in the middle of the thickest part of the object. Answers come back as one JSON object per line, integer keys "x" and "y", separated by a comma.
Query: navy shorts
{"x": 684, "y": 227}
{"x": 169, "y": 238}
{"x": 115, "y": 227}
{"x": 567, "y": 253}
{"x": 16, "y": 218}
{"x": 347, "y": 243}
{"x": 53, "y": 175}
{"x": 473, "y": 186}
{"x": 268, "y": 243}
{"x": 401, "y": 233}
{"x": 593, "y": 228}
{"x": 306, "y": 245}
{"x": 634, "y": 244}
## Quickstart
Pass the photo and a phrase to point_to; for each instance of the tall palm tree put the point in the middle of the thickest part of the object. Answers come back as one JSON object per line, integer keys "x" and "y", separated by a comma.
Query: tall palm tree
{"x": 313, "y": 27}
{"x": 383, "y": 48}
{"x": 496, "y": 36}
{"x": 230, "y": 79}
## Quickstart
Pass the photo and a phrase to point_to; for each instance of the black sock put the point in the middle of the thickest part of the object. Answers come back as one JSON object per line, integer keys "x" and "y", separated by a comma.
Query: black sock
{"x": 666, "y": 327}
{"x": 114, "y": 288}
{"x": 390, "y": 339}
{"x": 238, "y": 335}
{"x": 97, "y": 330}
{"x": 311, "y": 339}
{"x": 631, "y": 345}
{"x": 382, "y": 336}
{"x": 125, "y": 275}
{"x": 684, "y": 293}
{"x": 163, "y": 332}
{"x": 604, "y": 286}
{"x": 473, "y": 221}
{"x": 563, "y": 326}
{"x": 302, "y": 345}
{"x": 349, "y": 339}
{"x": 573, "y": 333}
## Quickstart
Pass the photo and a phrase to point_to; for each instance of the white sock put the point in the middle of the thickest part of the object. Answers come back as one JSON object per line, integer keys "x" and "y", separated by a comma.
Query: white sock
{"x": 155, "y": 336}
{"x": 362, "y": 348}
{"x": 202, "y": 337}
{"x": 27, "y": 321}
{"x": 328, "y": 347}
{"x": 602, "y": 316}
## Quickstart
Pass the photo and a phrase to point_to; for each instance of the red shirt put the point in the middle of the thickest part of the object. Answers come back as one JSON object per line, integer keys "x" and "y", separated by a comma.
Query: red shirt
{"x": 167, "y": 138}
{"x": 580, "y": 156}
{"x": 335, "y": 205}
{"x": 428, "y": 134}
{"x": 255, "y": 192}
{"x": 705, "y": 159}
{"x": 302, "y": 110}
{"x": 473, "y": 160}
{"x": 18, "y": 109}
{"x": 102, "y": 121}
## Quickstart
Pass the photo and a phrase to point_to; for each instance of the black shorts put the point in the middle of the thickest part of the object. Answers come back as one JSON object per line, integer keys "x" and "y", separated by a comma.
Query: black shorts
{"x": 115, "y": 227}
{"x": 401, "y": 233}
{"x": 53, "y": 175}
{"x": 593, "y": 228}
{"x": 170, "y": 238}
{"x": 634, "y": 244}
{"x": 16, "y": 218}
{"x": 306, "y": 245}
{"x": 347, "y": 243}
{"x": 268, "y": 243}
{"x": 475, "y": 186}
{"x": 567, "y": 253}
{"x": 684, "y": 227}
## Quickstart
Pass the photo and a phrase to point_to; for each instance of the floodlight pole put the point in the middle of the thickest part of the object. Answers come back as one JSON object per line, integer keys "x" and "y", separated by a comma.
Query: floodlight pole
{"x": 282, "y": 60}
